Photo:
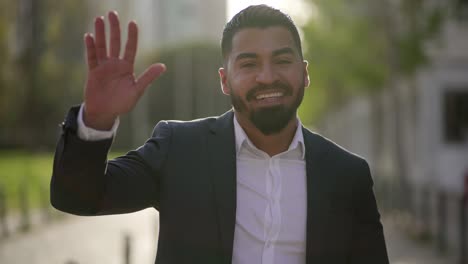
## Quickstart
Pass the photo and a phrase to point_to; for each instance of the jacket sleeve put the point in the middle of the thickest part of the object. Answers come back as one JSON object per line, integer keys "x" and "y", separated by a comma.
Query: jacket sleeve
{"x": 368, "y": 243}
{"x": 85, "y": 183}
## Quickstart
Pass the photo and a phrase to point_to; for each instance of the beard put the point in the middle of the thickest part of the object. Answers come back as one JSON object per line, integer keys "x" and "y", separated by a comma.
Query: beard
{"x": 270, "y": 120}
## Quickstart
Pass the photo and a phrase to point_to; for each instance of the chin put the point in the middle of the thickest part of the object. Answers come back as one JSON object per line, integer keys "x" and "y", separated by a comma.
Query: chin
{"x": 272, "y": 119}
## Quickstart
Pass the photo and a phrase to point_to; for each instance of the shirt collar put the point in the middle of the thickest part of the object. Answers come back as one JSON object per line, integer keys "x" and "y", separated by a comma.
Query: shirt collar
{"x": 241, "y": 138}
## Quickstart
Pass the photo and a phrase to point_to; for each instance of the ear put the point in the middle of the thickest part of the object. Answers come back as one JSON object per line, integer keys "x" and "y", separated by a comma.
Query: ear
{"x": 223, "y": 78}
{"x": 306, "y": 74}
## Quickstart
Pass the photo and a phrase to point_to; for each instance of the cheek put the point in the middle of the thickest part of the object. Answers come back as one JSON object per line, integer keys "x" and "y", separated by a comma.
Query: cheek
{"x": 244, "y": 77}
{"x": 299, "y": 81}
{"x": 239, "y": 87}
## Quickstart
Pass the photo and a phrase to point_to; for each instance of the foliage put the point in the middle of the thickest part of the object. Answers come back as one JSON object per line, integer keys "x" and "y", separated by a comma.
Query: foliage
{"x": 45, "y": 69}
{"x": 28, "y": 171}
{"x": 419, "y": 23}
{"x": 349, "y": 46}
{"x": 357, "y": 46}
{"x": 6, "y": 79}
{"x": 31, "y": 171}
{"x": 43, "y": 73}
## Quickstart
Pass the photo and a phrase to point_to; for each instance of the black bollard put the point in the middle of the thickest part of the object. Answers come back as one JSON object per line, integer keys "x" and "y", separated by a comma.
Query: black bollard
{"x": 463, "y": 259}
{"x": 25, "y": 224}
{"x": 45, "y": 201}
{"x": 442, "y": 222}
{"x": 127, "y": 248}
{"x": 425, "y": 209}
{"x": 3, "y": 213}
{"x": 463, "y": 227}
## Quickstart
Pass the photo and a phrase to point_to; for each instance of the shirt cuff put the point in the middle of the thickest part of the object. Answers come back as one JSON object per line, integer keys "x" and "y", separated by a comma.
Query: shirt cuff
{"x": 90, "y": 134}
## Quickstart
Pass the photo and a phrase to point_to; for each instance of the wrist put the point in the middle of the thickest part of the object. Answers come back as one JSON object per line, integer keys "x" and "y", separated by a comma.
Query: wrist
{"x": 101, "y": 122}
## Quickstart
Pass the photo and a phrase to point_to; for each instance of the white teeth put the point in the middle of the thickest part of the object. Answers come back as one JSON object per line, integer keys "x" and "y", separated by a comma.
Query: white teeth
{"x": 269, "y": 95}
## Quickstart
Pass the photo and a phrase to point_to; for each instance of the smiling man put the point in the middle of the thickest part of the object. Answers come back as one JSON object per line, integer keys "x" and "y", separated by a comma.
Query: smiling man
{"x": 265, "y": 76}
{"x": 250, "y": 186}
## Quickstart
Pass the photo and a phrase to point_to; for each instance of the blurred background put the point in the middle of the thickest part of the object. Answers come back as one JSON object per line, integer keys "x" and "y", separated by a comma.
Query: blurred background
{"x": 389, "y": 81}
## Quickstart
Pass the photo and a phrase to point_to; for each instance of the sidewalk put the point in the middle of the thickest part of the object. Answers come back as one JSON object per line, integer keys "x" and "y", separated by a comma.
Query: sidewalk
{"x": 403, "y": 250}
{"x": 89, "y": 240}
{"x": 85, "y": 240}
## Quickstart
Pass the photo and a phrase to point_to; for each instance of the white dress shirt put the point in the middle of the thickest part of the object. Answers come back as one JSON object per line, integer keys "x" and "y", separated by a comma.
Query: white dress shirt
{"x": 89, "y": 134}
{"x": 271, "y": 203}
{"x": 271, "y": 198}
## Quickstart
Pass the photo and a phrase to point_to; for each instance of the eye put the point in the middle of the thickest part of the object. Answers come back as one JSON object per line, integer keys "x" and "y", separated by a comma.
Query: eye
{"x": 247, "y": 64}
{"x": 283, "y": 61}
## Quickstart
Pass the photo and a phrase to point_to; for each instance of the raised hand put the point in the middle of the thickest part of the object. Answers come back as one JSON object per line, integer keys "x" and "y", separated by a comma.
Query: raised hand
{"x": 111, "y": 88}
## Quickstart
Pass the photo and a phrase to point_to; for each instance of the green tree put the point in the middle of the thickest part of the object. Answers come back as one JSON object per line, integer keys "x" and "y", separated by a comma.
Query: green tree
{"x": 344, "y": 56}
{"x": 7, "y": 84}
{"x": 360, "y": 46}
{"x": 44, "y": 66}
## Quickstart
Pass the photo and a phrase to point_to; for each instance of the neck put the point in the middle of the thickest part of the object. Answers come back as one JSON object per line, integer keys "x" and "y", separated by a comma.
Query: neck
{"x": 271, "y": 144}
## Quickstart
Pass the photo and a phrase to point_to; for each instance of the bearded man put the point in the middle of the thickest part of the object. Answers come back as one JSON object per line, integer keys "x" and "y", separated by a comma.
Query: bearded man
{"x": 250, "y": 186}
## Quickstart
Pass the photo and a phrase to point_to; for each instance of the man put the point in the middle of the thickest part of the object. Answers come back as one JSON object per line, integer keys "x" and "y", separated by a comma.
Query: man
{"x": 250, "y": 186}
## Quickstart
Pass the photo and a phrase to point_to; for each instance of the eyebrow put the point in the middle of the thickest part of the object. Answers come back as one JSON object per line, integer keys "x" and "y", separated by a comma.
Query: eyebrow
{"x": 286, "y": 50}
{"x": 245, "y": 55}
{"x": 278, "y": 52}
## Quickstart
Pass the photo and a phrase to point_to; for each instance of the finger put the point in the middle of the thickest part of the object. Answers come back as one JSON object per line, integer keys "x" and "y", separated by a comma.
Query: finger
{"x": 153, "y": 72}
{"x": 114, "y": 34}
{"x": 132, "y": 42}
{"x": 100, "y": 41}
{"x": 90, "y": 51}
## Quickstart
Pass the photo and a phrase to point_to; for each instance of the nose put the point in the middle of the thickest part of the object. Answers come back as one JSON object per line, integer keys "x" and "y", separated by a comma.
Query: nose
{"x": 266, "y": 75}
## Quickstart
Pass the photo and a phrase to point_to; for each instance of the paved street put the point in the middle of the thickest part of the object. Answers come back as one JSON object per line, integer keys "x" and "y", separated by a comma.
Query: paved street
{"x": 85, "y": 240}
{"x": 89, "y": 240}
{"x": 403, "y": 250}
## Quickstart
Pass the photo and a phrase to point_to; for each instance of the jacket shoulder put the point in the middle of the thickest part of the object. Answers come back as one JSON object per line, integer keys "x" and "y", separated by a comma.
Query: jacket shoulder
{"x": 192, "y": 124}
{"x": 212, "y": 123}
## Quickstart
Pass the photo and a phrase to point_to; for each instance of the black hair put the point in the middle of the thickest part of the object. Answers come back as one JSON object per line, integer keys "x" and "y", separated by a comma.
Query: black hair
{"x": 257, "y": 16}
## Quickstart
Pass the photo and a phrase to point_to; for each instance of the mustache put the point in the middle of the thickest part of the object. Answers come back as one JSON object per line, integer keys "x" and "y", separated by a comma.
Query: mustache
{"x": 278, "y": 85}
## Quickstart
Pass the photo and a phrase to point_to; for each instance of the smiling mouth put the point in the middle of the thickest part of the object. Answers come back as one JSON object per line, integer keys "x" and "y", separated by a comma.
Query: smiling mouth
{"x": 269, "y": 95}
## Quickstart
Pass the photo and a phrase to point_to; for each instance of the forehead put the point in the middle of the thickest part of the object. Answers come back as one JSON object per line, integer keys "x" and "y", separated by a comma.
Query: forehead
{"x": 262, "y": 41}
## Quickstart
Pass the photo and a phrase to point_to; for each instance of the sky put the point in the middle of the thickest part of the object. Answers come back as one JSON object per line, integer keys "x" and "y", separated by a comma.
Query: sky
{"x": 235, "y": 6}
{"x": 295, "y": 8}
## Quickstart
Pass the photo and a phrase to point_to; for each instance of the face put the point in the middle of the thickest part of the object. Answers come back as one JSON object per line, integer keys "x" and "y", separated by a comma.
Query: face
{"x": 265, "y": 77}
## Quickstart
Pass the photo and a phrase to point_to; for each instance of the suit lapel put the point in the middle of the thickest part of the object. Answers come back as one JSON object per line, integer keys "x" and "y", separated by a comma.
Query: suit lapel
{"x": 315, "y": 172}
{"x": 221, "y": 149}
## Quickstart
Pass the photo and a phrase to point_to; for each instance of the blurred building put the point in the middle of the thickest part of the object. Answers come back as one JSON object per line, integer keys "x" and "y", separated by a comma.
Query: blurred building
{"x": 171, "y": 22}
{"x": 416, "y": 134}
{"x": 441, "y": 179}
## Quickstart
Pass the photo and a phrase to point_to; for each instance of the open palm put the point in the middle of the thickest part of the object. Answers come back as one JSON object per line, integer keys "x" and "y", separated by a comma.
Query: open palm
{"x": 112, "y": 88}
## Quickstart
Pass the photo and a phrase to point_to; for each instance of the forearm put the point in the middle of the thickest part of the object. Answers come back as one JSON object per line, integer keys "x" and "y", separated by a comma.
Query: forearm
{"x": 78, "y": 178}
{"x": 85, "y": 183}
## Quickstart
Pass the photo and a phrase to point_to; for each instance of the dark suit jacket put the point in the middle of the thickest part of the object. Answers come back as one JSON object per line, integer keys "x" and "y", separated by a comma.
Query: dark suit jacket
{"x": 187, "y": 171}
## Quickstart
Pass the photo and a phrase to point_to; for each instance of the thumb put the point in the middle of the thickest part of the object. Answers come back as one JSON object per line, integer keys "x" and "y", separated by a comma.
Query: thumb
{"x": 149, "y": 75}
